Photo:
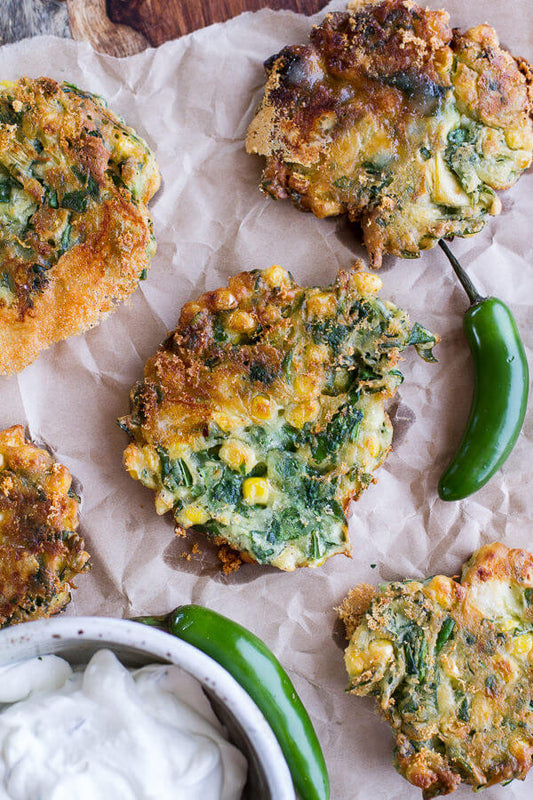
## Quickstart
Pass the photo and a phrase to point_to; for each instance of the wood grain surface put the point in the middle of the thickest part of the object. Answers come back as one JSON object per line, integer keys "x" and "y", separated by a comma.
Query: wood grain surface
{"x": 123, "y": 27}
{"x": 161, "y": 20}
{"x": 89, "y": 22}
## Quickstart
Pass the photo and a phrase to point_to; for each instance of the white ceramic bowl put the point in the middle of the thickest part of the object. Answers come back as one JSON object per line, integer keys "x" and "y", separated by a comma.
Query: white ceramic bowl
{"x": 77, "y": 638}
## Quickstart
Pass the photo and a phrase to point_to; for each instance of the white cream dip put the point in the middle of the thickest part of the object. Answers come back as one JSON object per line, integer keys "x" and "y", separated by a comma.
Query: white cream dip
{"x": 109, "y": 733}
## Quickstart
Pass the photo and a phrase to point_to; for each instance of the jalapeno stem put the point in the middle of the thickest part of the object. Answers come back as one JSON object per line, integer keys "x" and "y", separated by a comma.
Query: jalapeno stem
{"x": 466, "y": 283}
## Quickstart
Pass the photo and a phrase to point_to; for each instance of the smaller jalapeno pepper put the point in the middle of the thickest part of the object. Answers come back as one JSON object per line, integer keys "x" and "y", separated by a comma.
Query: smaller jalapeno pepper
{"x": 500, "y": 392}
{"x": 261, "y": 675}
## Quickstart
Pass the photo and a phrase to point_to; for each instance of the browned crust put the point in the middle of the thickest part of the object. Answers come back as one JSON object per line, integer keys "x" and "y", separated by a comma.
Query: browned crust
{"x": 498, "y": 561}
{"x": 115, "y": 241}
{"x": 88, "y": 283}
{"x": 40, "y": 551}
{"x": 193, "y": 389}
{"x": 433, "y": 773}
{"x": 289, "y": 124}
{"x": 380, "y": 68}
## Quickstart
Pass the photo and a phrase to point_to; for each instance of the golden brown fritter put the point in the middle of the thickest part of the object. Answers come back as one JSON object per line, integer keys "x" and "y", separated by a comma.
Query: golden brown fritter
{"x": 75, "y": 232}
{"x": 263, "y": 413}
{"x": 451, "y": 666}
{"x": 40, "y": 551}
{"x": 392, "y": 118}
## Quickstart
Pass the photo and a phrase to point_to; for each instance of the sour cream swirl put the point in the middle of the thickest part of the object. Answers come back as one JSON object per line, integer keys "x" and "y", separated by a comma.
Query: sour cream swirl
{"x": 108, "y": 732}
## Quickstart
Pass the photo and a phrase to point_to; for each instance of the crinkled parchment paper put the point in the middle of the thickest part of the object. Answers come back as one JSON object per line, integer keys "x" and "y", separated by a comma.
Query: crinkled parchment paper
{"x": 192, "y": 99}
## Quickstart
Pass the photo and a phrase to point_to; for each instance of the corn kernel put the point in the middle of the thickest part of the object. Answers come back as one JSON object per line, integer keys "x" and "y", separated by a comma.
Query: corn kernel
{"x": 150, "y": 458}
{"x": 29, "y": 457}
{"x": 365, "y": 283}
{"x": 381, "y": 650}
{"x": 136, "y": 465}
{"x": 2, "y": 461}
{"x": 2, "y": 516}
{"x": 481, "y": 712}
{"x": 60, "y": 479}
{"x": 441, "y": 589}
{"x": 223, "y": 300}
{"x": 301, "y": 413}
{"x": 12, "y": 437}
{"x": 355, "y": 663}
{"x": 520, "y": 748}
{"x": 224, "y": 422}
{"x": 445, "y": 698}
{"x": 495, "y": 206}
{"x": 261, "y": 407}
{"x": 490, "y": 142}
{"x": 372, "y": 446}
{"x": 507, "y": 624}
{"x": 271, "y": 315}
{"x": 519, "y": 138}
{"x": 289, "y": 558}
{"x": 255, "y": 491}
{"x": 304, "y": 385}
{"x": 163, "y": 502}
{"x": 195, "y": 515}
{"x": 237, "y": 455}
{"x": 521, "y": 645}
{"x": 189, "y": 311}
{"x": 321, "y": 304}
{"x": 242, "y": 321}
{"x": 523, "y": 160}
{"x": 276, "y": 276}
{"x": 316, "y": 354}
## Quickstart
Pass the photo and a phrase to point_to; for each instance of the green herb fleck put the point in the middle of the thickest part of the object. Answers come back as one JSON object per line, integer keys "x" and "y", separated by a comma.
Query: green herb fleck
{"x": 65, "y": 237}
{"x": 75, "y": 201}
{"x": 344, "y": 182}
{"x": 423, "y": 340}
{"x": 444, "y": 634}
{"x": 5, "y": 190}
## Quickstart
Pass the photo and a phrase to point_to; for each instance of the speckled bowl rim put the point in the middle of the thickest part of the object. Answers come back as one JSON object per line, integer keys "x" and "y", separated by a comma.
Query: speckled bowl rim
{"x": 36, "y": 638}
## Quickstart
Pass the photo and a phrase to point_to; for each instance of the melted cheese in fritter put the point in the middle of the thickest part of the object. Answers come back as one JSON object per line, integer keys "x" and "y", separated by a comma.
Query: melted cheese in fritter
{"x": 392, "y": 118}
{"x": 263, "y": 412}
{"x": 40, "y": 551}
{"x": 75, "y": 233}
{"x": 451, "y": 664}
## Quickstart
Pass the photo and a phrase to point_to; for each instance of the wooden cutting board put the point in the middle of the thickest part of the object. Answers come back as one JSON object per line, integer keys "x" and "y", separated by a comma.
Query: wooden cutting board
{"x": 123, "y": 27}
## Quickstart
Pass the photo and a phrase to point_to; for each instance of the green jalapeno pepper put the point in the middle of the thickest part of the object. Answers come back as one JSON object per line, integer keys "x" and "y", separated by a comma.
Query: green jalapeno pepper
{"x": 261, "y": 675}
{"x": 500, "y": 392}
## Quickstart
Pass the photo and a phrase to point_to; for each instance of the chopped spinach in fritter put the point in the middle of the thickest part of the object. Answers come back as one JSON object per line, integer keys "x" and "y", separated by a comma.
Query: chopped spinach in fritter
{"x": 450, "y": 666}
{"x": 40, "y": 550}
{"x": 262, "y": 414}
{"x": 393, "y": 118}
{"x": 73, "y": 241}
